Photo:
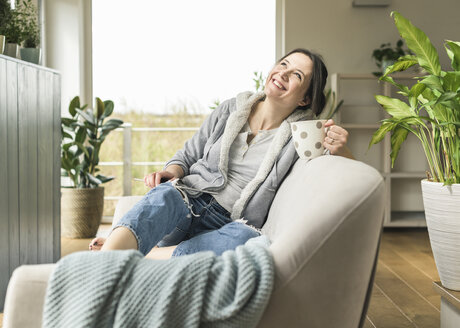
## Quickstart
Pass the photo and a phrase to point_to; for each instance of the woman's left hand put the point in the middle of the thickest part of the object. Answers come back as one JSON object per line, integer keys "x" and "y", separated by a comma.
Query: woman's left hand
{"x": 336, "y": 140}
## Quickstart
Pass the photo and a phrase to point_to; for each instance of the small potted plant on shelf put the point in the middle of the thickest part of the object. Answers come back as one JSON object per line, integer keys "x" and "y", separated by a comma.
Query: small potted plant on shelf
{"x": 82, "y": 136}
{"x": 30, "y": 31}
{"x": 13, "y": 32}
{"x": 5, "y": 11}
{"x": 332, "y": 107}
{"x": 386, "y": 55}
{"x": 432, "y": 113}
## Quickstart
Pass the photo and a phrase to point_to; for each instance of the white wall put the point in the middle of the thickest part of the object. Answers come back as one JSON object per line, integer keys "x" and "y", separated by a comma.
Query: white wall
{"x": 346, "y": 36}
{"x": 62, "y": 45}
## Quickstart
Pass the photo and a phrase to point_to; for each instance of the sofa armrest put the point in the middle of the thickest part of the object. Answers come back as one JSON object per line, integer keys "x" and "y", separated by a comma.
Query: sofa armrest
{"x": 25, "y": 297}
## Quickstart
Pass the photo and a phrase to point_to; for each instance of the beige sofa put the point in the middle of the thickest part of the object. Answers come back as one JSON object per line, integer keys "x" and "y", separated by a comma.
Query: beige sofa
{"x": 325, "y": 225}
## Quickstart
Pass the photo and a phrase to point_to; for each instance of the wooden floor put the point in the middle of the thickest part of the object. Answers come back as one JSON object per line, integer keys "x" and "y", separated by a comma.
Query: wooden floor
{"x": 402, "y": 295}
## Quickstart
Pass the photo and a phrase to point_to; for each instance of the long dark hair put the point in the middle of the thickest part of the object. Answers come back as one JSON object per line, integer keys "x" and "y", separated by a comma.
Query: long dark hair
{"x": 318, "y": 79}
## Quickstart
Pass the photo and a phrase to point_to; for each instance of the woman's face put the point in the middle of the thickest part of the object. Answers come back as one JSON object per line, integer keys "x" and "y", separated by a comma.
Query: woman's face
{"x": 289, "y": 80}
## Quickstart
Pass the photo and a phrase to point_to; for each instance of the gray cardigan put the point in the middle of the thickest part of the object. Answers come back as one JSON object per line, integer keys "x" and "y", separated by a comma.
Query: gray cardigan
{"x": 204, "y": 157}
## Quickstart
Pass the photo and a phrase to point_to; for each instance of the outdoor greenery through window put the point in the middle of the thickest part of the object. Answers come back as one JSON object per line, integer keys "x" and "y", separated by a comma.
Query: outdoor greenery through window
{"x": 165, "y": 63}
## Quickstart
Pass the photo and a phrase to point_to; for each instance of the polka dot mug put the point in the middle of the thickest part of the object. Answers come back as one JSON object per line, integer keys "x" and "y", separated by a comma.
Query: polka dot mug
{"x": 308, "y": 138}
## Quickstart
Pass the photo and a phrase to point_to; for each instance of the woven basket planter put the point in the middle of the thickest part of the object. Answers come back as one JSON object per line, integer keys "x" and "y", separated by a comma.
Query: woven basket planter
{"x": 81, "y": 211}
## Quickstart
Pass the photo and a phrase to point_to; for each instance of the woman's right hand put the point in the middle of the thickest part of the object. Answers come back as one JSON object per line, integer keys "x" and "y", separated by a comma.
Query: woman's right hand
{"x": 154, "y": 179}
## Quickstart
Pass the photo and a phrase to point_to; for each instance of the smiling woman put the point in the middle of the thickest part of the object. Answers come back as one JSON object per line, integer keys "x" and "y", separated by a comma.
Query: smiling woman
{"x": 179, "y": 51}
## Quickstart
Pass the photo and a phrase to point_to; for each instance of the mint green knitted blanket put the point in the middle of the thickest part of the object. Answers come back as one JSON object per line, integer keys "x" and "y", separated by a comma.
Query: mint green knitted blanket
{"x": 123, "y": 289}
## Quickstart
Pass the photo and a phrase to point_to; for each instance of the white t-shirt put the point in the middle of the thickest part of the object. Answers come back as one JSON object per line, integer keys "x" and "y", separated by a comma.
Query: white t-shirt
{"x": 243, "y": 162}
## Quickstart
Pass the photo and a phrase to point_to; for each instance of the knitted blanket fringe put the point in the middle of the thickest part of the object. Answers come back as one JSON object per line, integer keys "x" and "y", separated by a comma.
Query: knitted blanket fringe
{"x": 123, "y": 289}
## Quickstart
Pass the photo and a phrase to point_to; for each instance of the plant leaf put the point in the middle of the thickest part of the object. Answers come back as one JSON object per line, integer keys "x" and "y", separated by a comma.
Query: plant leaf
{"x": 66, "y": 135}
{"x": 446, "y": 97}
{"x": 427, "y": 98}
{"x": 335, "y": 110}
{"x": 433, "y": 82}
{"x": 453, "y": 53}
{"x": 380, "y": 133}
{"x": 451, "y": 81}
{"x": 414, "y": 92}
{"x": 67, "y": 121}
{"x": 450, "y": 123}
{"x": 66, "y": 164}
{"x": 76, "y": 124}
{"x": 65, "y": 147}
{"x": 108, "y": 127}
{"x": 99, "y": 108}
{"x": 114, "y": 121}
{"x": 402, "y": 64}
{"x": 94, "y": 181}
{"x": 88, "y": 116}
{"x": 397, "y": 138}
{"x": 104, "y": 179}
{"x": 81, "y": 135}
{"x": 109, "y": 106}
{"x": 82, "y": 148}
{"x": 401, "y": 87}
{"x": 395, "y": 107}
{"x": 418, "y": 43}
{"x": 74, "y": 104}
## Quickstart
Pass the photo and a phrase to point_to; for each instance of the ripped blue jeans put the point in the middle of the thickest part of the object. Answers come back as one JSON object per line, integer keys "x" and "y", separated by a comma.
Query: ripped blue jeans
{"x": 164, "y": 218}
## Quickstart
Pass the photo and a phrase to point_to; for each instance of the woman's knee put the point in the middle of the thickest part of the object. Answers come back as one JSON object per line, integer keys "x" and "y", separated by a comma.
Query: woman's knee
{"x": 226, "y": 238}
{"x": 239, "y": 231}
{"x": 121, "y": 237}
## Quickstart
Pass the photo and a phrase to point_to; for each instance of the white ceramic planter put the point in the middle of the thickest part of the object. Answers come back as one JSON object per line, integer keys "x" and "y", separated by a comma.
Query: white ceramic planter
{"x": 31, "y": 55}
{"x": 12, "y": 50}
{"x": 442, "y": 212}
{"x": 2, "y": 44}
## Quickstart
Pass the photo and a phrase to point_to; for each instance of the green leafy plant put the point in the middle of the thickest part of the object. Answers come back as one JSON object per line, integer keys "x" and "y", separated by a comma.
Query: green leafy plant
{"x": 332, "y": 107}
{"x": 82, "y": 136}
{"x": 215, "y": 104}
{"x": 432, "y": 110}
{"x": 28, "y": 17}
{"x": 12, "y": 27}
{"x": 386, "y": 54}
{"x": 259, "y": 81}
{"x": 259, "y": 85}
{"x": 5, "y": 13}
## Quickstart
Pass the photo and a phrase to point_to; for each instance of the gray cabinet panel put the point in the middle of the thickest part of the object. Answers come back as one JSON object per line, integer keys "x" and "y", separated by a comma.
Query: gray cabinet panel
{"x": 28, "y": 163}
{"x": 4, "y": 240}
{"x": 45, "y": 161}
{"x": 12, "y": 155}
{"x": 56, "y": 190}
{"x": 29, "y": 166}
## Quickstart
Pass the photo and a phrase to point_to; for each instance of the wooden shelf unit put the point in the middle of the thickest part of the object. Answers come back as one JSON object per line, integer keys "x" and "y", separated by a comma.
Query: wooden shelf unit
{"x": 360, "y": 115}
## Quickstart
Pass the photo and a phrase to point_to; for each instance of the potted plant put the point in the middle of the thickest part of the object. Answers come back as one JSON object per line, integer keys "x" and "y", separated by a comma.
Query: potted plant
{"x": 5, "y": 10}
{"x": 13, "y": 33}
{"x": 432, "y": 114}
{"x": 386, "y": 55}
{"x": 30, "y": 31}
{"x": 332, "y": 107}
{"x": 82, "y": 136}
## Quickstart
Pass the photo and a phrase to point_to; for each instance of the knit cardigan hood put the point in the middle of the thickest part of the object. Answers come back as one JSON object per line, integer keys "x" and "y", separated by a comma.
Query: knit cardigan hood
{"x": 206, "y": 170}
{"x": 244, "y": 103}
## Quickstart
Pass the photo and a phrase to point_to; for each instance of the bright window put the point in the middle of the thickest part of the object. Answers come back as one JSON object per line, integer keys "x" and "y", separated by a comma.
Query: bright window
{"x": 151, "y": 55}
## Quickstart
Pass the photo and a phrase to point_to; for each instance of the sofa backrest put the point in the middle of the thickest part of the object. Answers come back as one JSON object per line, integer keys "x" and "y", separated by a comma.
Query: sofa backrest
{"x": 324, "y": 224}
